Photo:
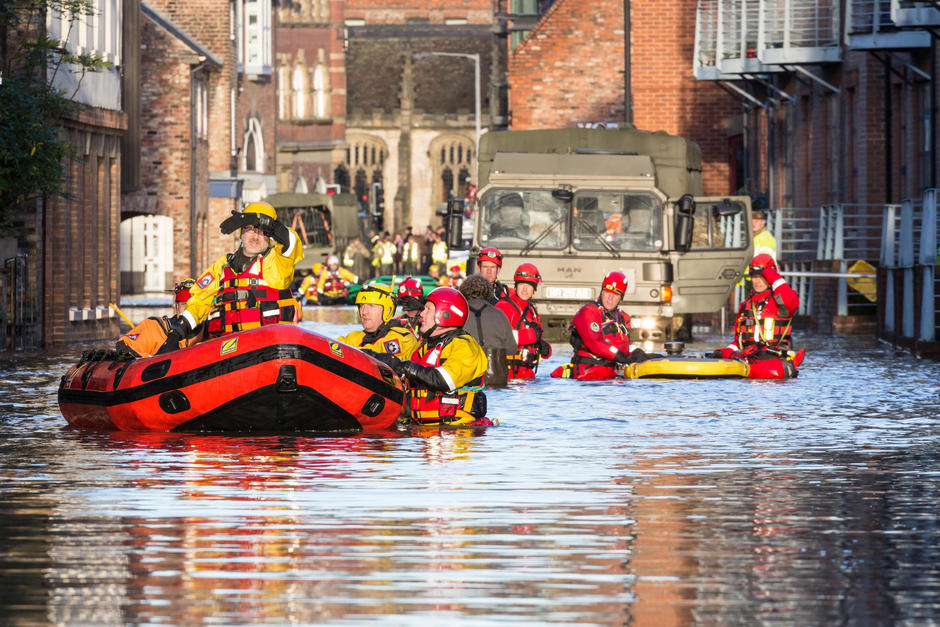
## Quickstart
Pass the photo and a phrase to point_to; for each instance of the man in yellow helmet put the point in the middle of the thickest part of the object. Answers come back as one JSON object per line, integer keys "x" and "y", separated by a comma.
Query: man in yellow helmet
{"x": 381, "y": 332}
{"x": 250, "y": 287}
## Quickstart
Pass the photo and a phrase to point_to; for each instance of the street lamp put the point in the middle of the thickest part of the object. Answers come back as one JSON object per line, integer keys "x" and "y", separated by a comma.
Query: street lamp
{"x": 476, "y": 75}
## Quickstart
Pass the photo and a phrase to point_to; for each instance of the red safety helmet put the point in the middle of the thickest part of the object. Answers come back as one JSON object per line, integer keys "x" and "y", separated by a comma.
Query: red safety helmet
{"x": 615, "y": 282}
{"x": 450, "y": 307}
{"x": 760, "y": 263}
{"x": 527, "y": 273}
{"x": 410, "y": 287}
{"x": 491, "y": 254}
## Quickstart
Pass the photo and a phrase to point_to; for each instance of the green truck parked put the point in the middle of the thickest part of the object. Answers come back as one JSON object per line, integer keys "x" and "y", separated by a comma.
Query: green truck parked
{"x": 579, "y": 203}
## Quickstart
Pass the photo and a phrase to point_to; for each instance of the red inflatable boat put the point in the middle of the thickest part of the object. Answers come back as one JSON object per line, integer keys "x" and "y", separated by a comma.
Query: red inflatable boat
{"x": 273, "y": 379}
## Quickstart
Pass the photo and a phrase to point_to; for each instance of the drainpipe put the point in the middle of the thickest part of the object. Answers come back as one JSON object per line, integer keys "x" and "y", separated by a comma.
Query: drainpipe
{"x": 933, "y": 111}
{"x": 627, "y": 74}
{"x": 889, "y": 193}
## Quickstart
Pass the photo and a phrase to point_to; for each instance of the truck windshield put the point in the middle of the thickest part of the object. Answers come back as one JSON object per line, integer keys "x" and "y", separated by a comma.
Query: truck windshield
{"x": 618, "y": 221}
{"x": 517, "y": 219}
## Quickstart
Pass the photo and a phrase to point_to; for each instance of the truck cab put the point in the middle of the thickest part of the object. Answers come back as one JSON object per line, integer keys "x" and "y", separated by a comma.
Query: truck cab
{"x": 579, "y": 203}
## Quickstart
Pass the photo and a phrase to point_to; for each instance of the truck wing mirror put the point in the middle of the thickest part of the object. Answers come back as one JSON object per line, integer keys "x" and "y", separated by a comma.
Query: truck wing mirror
{"x": 728, "y": 208}
{"x": 454, "y": 224}
{"x": 685, "y": 221}
{"x": 563, "y": 193}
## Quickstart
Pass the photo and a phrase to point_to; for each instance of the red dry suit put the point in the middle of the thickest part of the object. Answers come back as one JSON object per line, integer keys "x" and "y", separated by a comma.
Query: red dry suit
{"x": 527, "y": 329}
{"x": 597, "y": 336}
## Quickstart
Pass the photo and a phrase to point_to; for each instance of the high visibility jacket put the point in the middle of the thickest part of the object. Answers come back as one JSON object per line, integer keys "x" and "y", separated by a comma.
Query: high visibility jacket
{"x": 439, "y": 252}
{"x": 334, "y": 282}
{"x": 765, "y": 318}
{"x": 597, "y": 334}
{"x": 349, "y": 256}
{"x": 389, "y": 338}
{"x": 527, "y": 329}
{"x": 308, "y": 287}
{"x": 410, "y": 252}
{"x": 765, "y": 243}
{"x": 462, "y": 364}
{"x": 265, "y": 284}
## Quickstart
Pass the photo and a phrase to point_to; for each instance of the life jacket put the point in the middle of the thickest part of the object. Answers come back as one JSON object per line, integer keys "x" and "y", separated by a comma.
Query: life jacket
{"x": 764, "y": 323}
{"x": 612, "y": 324}
{"x": 245, "y": 301}
{"x": 463, "y": 405}
{"x": 526, "y": 318}
{"x": 500, "y": 291}
{"x": 334, "y": 284}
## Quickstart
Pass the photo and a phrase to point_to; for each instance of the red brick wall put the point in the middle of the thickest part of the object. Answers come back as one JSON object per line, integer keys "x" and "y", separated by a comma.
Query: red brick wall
{"x": 81, "y": 231}
{"x": 569, "y": 71}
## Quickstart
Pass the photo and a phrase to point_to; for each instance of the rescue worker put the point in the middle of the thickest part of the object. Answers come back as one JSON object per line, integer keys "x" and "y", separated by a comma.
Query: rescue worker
{"x": 489, "y": 262}
{"x": 149, "y": 338}
{"x": 762, "y": 328}
{"x": 410, "y": 255}
{"x": 439, "y": 252}
{"x": 333, "y": 284}
{"x": 383, "y": 255}
{"x": 455, "y": 276}
{"x": 600, "y": 335}
{"x": 356, "y": 258}
{"x": 411, "y": 301}
{"x": 525, "y": 322}
{"x": 308, "y": 288}
{"x": 250, "y": 287}
{"x": 445, "y": 374}
{"x": 381, "y": 331}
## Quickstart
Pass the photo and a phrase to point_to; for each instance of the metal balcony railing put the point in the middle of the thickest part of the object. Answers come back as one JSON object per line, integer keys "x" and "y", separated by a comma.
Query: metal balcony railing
{"x": 799, "y": 31}
{"x": 868, "y": 26}
{"x": 738, "y": 25}
{"x": 705, "y": 57}
{"x": 915, "y": 13}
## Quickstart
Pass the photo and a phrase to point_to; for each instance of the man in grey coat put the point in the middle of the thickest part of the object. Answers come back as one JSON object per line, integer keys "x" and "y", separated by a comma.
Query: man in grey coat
{"x": 489, "y": 327}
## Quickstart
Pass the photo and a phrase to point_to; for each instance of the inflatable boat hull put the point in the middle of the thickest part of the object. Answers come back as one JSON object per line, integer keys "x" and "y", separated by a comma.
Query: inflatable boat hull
{"x": 274, "y": 379}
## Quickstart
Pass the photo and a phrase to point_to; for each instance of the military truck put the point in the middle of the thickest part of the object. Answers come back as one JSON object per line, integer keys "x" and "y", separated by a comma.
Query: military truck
{"x": 325, "y": 222}
{"x": 579, "y": 203}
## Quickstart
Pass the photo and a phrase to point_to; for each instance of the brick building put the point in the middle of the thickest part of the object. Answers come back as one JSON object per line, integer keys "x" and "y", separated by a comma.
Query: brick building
{"x": 569, "y": 71}
{"x": 411, "y": 114}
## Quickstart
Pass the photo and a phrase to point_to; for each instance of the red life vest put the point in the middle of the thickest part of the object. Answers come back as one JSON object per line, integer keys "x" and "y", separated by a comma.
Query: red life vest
{"x": 763, "y": 322}
{"x": 434, "y": 406}
{"x": 523, "y": 316}
{"x": 611, "y": 326}
{"x": 334, "y": 284}
{"x": 245, "y": 301}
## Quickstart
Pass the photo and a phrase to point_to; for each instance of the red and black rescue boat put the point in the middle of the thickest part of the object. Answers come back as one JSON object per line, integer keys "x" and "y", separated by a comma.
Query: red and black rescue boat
{"x": 274, "y": 379}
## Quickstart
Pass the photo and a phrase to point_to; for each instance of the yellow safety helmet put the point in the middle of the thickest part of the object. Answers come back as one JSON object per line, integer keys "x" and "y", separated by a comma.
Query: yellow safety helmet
{"x": 378, "y": 294}
{"x": 262, "y": 208}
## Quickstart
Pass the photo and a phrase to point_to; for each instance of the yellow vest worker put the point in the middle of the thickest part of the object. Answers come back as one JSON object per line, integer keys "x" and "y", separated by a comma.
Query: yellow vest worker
{"x": 380, "y": 333}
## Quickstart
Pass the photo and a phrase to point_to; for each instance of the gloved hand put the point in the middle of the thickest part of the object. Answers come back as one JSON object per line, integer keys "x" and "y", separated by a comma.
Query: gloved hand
{"x": 744, "y": 353}
{"x": 274, "y": 229}
{"x": 545, "y": 349}
{"x": 622, "y": 358}
{"x": 233, "y": 222}
{"x": 178, "y": 327}
{"x": 423, "y": 376}
{"x": 389, "y": 360}
{"x": 715, "y": 354}
{"x": 125, "y": 352}
{"x": 770, "y": 275}
{"x": 638, "y": 356}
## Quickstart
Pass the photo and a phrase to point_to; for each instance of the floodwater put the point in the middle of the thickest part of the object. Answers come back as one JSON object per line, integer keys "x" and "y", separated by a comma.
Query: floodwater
{"x": 804, "y": 502}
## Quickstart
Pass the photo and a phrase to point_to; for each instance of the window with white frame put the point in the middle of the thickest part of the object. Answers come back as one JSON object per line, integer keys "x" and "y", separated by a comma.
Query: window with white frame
{"x": 200, "y": 107}
{"x": 253, "y": 147}
{"x": 254, "y": 41}
{"x": 321, "y": 93}
{"x": 283, "y": 92}
{"x": 299, "y": 92}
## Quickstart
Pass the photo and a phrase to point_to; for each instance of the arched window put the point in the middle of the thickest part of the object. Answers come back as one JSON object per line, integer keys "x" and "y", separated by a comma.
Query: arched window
{"x": 321, "y": 93}
{"x": 253, "y": 147}
{"x": 299, "y": 92}
{"x": 451, "y": 172}
{"x": 283, "y": 92}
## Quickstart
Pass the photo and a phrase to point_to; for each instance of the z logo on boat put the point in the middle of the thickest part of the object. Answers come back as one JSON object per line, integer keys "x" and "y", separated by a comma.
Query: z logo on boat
{"x": 336, "y": 349}
{"x": 229, "y": 346}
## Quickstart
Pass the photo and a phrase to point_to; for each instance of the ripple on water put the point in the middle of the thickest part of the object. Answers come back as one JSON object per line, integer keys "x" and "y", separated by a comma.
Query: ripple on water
{"x": 730, "y": 502}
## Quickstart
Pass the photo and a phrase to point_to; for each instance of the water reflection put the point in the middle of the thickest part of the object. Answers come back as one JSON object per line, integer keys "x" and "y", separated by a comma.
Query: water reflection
{"x": 809, "y": 501}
